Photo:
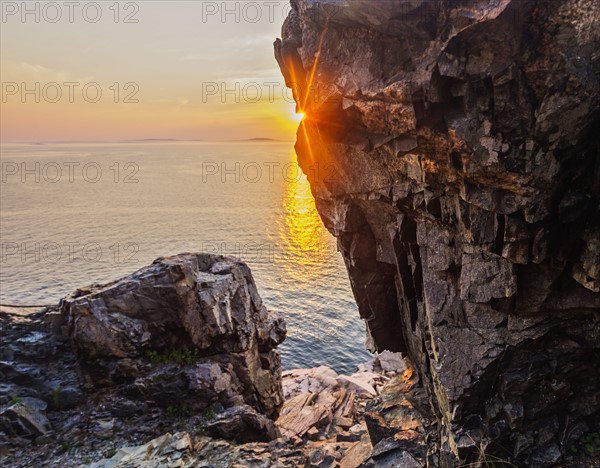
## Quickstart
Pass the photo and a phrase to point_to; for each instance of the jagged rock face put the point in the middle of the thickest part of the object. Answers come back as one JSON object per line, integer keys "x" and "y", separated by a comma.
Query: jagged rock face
{"x": 183, "y": 342}
{"x": 452, "y": 148}
{"x": 197, "y": 315}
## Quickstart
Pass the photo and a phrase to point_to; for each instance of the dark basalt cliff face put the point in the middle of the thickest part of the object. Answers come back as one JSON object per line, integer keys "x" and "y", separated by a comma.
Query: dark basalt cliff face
{"x": 453, "y": 149}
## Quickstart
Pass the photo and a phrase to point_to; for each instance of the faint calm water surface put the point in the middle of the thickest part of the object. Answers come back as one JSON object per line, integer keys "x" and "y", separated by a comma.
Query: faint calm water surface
{"x": 72, "y": 215}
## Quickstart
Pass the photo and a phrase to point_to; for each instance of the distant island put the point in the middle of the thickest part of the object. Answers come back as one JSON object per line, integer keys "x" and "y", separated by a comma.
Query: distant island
{"x": 153, "y": 140}
{"x": 246, "y": 140}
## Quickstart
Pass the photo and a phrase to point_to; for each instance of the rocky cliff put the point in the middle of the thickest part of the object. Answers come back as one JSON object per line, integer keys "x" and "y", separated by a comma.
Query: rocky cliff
{"x": 453, "y": 150}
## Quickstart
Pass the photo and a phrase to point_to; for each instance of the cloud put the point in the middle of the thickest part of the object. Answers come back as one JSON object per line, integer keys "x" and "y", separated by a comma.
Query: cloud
{"x": 246, "y": 42}
{"x": 28, "y": 72}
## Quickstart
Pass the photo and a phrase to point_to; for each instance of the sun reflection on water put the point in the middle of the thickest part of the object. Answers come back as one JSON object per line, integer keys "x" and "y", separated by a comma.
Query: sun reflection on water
{"x": 302, "y": 233}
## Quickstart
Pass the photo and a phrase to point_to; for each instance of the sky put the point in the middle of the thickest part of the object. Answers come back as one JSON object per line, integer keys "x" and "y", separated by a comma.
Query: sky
{"x": 151, "y": 69}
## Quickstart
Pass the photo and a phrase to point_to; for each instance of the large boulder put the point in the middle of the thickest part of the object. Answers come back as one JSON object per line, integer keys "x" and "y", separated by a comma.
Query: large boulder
{"x": 188, "y": 330}
{"x": 452, "y": 148}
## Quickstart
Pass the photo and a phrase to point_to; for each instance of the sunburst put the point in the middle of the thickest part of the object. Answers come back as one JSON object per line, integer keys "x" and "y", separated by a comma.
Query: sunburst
{"x": 299, "y": 116}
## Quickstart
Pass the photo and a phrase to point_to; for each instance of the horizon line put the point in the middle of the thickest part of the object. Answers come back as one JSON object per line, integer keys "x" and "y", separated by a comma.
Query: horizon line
{"x": 145, "y": 140}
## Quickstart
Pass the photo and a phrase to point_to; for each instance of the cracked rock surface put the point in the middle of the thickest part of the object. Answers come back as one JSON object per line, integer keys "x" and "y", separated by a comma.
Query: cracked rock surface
{"x": 199, "y": 310}
{"x": 453, "y": 149}
{"x": 183, "y": 344}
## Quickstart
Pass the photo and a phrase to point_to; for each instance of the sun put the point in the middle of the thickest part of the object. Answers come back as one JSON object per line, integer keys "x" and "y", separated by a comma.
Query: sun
{"x": 299, "y": 116}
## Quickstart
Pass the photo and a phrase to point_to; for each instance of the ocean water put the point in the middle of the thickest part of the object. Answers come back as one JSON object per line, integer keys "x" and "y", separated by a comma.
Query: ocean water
{"x": 75, "y": 214}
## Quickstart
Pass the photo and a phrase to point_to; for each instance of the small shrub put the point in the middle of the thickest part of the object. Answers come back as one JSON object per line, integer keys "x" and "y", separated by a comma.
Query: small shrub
{"x": 589, "y": 443}
{"x": 209, "y": 413}
{"x": 592, "y": 443}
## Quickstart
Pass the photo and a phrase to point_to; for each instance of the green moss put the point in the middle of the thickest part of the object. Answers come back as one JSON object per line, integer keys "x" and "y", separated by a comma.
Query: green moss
{"x": 589, "y": 443}
{"x": 14, "y": 401}
{"x": 156, "y": 378}
{"x": 64, "y": 447}
{"x": 209, "y": 413}
{"x": 178, "y": 411}
{"x": 177, "y": 356}
{"x": 111, "y": 452}
{"x": 68, "y": 447}
{"x": 56, "y": 396}
{"x": 154, "y": 357}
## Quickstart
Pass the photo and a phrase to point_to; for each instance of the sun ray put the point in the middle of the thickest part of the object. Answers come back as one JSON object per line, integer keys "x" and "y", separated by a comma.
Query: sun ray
{"x": 307, "y": 142}
{"x": 313, "y": 71}
{"x": 303, "y": 108}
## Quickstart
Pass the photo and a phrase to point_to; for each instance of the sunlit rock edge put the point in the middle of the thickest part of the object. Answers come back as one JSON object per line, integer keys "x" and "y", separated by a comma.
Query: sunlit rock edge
{"x": 465, "y": 201}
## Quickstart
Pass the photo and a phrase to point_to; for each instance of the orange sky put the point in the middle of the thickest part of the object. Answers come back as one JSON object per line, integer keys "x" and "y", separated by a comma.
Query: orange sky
{"x": 148, "y": 69}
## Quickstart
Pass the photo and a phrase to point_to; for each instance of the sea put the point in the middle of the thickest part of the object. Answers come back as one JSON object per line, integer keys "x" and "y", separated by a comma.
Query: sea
{"x": 74, "y": 214}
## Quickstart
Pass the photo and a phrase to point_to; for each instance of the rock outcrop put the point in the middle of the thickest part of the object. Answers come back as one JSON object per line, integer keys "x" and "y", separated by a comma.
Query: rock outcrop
{"x": 80, "y": 385}
{"x": 197, "y": 318}
{"x": 183, "y": 343}
{"x": 452, "y": 148}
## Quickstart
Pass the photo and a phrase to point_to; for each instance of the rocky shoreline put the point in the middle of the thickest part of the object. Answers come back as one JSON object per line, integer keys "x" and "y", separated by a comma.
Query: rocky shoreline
{"x": 176, "y": 365}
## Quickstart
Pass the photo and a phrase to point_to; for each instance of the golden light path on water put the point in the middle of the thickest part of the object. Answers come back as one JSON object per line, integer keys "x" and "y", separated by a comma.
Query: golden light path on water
{"x": 302, "y": 233}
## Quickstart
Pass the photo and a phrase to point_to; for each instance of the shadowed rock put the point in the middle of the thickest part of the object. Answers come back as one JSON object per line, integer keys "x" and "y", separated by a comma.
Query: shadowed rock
{"x": 242, "y": 424}
{"x": 25, "y": 417}
{"x": 452, "y": 148}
